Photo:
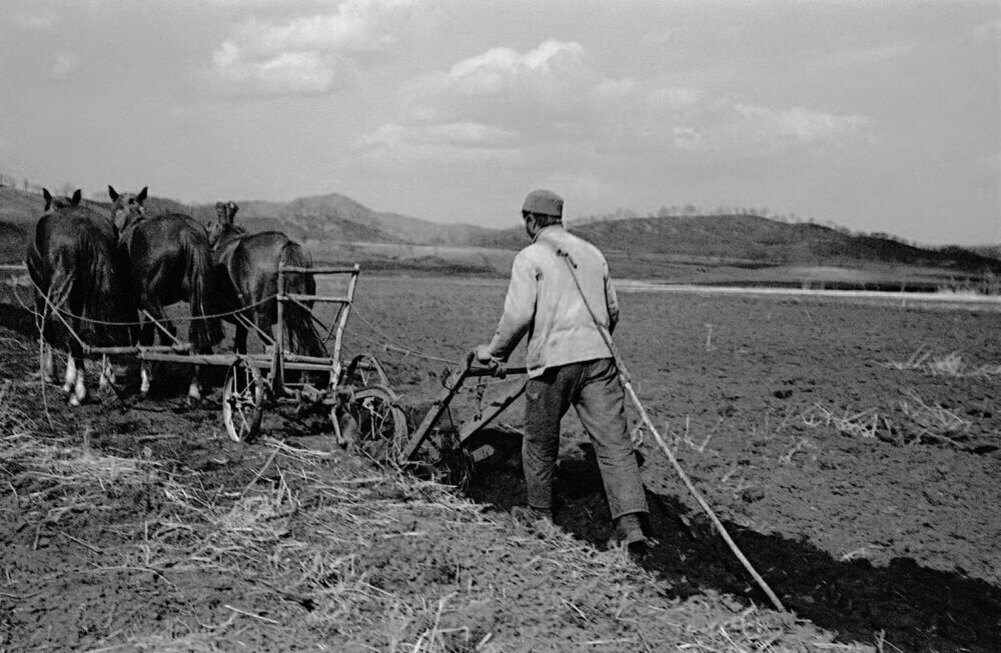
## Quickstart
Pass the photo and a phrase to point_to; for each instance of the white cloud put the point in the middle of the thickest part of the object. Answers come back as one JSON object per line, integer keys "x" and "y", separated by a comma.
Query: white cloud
{"x": 544, "y": 89}
{"x": 303, "y": 55}
{"x": 287, "y": 73}
{"x": 551, "y": 96}
{"x": 43, "y": 20}
{"x": 448, "y": 142}
{"x": 504, "y": 69}
{"x": 752, "y": 130}
{"x": 798, "y": 124}
{"x": 65, "y": 64}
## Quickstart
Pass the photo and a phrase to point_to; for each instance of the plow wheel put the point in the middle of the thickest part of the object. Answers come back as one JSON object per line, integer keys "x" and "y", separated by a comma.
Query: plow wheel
{"x": 243, "y": 401}
{"x": 374, "y": 422}
{"x": 365, "y": 370}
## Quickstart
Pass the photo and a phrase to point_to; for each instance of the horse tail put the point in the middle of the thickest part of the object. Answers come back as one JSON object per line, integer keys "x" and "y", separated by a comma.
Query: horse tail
{"x": 300, "y": 332}
{"x": 63, "y": 282}
{"x": 65, "y": 292}
{"x": 200, "y": 332}
{"x": 108, "y": 294}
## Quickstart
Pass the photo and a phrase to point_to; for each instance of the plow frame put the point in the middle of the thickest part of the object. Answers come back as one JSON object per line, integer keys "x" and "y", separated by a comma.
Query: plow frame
{"x": 453, "y": 385}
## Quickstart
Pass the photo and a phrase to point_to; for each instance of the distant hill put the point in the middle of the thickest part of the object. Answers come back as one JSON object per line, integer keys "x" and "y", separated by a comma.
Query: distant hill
{"x": 336, "y": 217}
{"x": 990, "y": 251}
{"x": 338, "y": 228}
{"x": 757, "y": 241}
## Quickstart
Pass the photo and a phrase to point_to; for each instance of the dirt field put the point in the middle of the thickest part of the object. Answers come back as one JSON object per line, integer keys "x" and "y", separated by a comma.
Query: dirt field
{"x": 853, "y": 452}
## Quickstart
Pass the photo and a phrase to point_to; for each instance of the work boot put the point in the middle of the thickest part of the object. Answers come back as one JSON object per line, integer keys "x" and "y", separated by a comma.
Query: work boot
{"x": 530, "y": 516}
{"x": 629, "y": 533}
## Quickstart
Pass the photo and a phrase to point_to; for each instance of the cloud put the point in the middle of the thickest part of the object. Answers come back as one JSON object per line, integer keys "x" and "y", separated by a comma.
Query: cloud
{"x": 288, "y": 73}
{"x": 304, "y": 55}
{"x": 538, "y": 93}
{"x": 64, "y": 65}
{"x": 550, "y": 98}
{"x": 447, "y": 142}
{"x": 43, "y": 20}
{"x": 754, "y": 130}
{"x": 502, "y": 69}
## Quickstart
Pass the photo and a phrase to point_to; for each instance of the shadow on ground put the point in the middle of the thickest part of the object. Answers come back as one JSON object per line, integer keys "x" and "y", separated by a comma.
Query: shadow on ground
{"x": 918, "y": 609}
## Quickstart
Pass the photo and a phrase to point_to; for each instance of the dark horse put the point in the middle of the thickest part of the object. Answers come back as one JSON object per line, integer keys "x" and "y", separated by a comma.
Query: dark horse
{"x": 169, "y": 262}
{"x": 245, "y": 275}
{"x": 74, "y": 263}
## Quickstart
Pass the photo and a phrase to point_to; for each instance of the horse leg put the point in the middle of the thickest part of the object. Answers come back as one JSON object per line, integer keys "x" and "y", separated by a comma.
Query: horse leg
{"x": 195, "y": 386}
{"x": 75, "y": 378}
{"x": 69, "y": 377}
{"x": 264, "y": 322}
{"x": 46, "y": 363}
{"x": 107, "y": 373}
{"x": 240, "y": 336}
{"x": 80, "y": 390}
{"x": 147, "y": 335}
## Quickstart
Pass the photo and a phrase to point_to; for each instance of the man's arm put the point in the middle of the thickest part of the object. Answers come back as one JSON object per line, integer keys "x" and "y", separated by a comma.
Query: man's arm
{"x": 611, "y": 302}
{"x": 519, "y": 308}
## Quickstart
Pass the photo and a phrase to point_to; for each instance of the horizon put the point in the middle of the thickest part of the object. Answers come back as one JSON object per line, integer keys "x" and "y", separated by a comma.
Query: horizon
{"x": 621, "y": 214}
{"x": 878, "y": 117}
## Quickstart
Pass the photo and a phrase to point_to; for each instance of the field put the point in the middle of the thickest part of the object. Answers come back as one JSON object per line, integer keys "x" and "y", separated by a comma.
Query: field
{"x": 852, "y": 450}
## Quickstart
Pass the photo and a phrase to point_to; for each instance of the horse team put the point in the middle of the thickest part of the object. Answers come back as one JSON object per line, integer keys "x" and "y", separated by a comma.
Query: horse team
{"x": 105, "y": 281}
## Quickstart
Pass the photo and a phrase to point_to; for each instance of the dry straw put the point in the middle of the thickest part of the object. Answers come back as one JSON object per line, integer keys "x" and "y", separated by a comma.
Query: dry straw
{"x": 952, "y": 364}
{"x": 297, "y": 542}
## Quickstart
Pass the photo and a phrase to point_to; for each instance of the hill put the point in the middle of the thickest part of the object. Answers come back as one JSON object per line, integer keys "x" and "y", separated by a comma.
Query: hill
{"x": 337, "y": 228}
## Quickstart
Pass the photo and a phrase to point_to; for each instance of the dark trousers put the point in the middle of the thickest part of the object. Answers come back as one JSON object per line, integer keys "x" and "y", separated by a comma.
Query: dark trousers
{"x": 594, "y": 390}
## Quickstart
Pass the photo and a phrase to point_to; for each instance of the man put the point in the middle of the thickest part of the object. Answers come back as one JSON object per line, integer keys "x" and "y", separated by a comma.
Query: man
{"x": 561, "y": 296}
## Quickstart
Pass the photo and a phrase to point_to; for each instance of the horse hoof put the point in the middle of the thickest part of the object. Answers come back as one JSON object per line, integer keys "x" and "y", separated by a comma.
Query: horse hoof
{"x": 74, "y": 401}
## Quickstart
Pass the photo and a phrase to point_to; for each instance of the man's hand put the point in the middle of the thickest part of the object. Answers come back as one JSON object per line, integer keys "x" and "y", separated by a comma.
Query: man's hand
{"x": 483, "y": 356}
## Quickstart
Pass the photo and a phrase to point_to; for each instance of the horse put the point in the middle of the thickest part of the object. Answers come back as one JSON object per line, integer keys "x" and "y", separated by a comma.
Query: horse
{"x": 75, "y": 266}
{"x": 245, "y": 277}
{"x": 169, "y": 262}
{"x": 61, "y": 202}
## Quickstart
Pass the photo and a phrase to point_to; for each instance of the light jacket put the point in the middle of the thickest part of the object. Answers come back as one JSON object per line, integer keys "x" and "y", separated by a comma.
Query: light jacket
{"x": 543, "y": 301}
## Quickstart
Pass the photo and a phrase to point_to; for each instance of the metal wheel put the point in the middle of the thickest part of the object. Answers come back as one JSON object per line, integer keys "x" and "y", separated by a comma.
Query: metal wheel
{"x": 243, "y": 401}
{"x": 376, "y": 424}
{"x": 365, "y": 370}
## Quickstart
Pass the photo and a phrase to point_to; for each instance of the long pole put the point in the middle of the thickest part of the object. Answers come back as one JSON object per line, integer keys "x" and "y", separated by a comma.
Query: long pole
{"x": 624, "y": 376}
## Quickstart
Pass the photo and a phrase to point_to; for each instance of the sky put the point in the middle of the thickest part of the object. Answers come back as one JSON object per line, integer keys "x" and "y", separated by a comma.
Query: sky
{"x": 878, "y": 115}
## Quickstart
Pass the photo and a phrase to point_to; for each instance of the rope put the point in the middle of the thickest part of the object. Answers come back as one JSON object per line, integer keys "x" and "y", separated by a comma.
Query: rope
{"x": 624, "y": 376}
{"x": 389, "y": 344}
{"x": 211, "y": 316}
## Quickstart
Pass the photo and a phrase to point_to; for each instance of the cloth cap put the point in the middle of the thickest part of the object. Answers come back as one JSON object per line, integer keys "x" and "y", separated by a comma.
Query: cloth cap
{"x": 545, "y": 202}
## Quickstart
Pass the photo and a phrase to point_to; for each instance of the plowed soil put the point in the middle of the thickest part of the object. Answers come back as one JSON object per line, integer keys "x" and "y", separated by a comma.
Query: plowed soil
{"x": 853, "y": 451}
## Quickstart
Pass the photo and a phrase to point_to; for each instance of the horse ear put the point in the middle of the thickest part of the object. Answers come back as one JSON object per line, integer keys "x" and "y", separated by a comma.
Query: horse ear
{"x": 48, "y": 198}
{"x": 77, "y": 196}
{"x": 112, "y": 193}
{"x": 141, "y": 197}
